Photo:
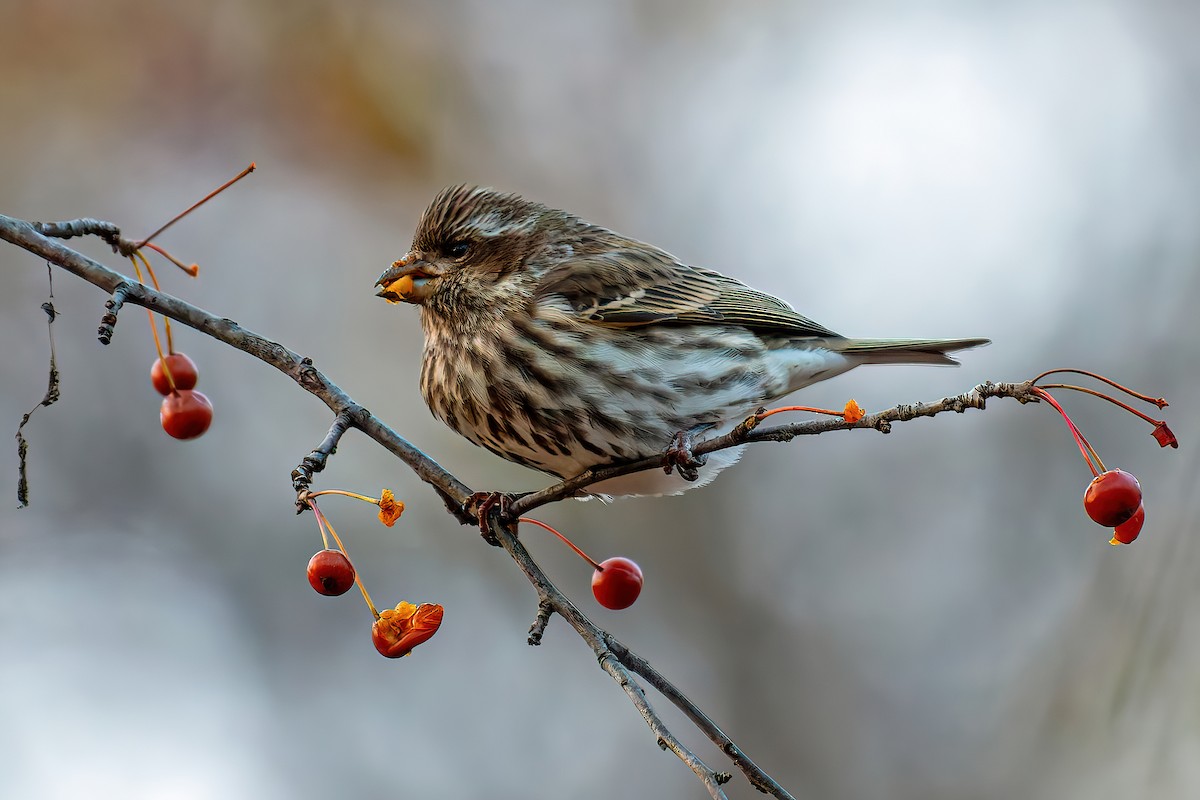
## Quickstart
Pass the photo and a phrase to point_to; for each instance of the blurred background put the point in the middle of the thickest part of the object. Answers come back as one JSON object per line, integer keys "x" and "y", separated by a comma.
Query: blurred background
{"x": 926, "y": 615}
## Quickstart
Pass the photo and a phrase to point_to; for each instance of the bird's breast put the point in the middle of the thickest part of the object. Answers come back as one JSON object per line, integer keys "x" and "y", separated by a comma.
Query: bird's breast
{"x": 563, "y": 397}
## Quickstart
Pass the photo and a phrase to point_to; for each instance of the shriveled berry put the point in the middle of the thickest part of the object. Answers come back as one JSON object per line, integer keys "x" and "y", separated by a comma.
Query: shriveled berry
{"x": 1128, "y": 530}
{"x": 186, "y": 414}
{"x": 617, "y": 583}
{"x": 330, "y": 572}
{"x": 1112, "y": 497}
{"x": 398, "y": 630}
{"x": 1164, "y": 436}
{"x": 182, "y": 368}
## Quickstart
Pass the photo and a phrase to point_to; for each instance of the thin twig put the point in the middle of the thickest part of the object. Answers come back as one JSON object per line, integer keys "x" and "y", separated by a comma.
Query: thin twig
{"x": 599, "y": 640}
{"x": 754, "y": 773}
{"x": 315, "y": 461}
{"x": 112, "y": 308}
{"x": 53, "y": 390}
{"x": 538, "y": 629}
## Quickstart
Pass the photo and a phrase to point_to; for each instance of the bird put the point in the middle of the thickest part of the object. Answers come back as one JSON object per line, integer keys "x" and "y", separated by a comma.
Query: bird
{"x": 564, "y": 346}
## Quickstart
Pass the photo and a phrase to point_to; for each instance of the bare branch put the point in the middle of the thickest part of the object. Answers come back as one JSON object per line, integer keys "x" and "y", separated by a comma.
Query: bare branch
{"x": 112, "y": 308}
{"x": 755, "y": 774}
{"x": 747, "y": 433}
{"x": 600, "y": 640}
{"x": 314, "y": 462}
{"x": 298, "y": 368}
{"x": 106, "y": 231}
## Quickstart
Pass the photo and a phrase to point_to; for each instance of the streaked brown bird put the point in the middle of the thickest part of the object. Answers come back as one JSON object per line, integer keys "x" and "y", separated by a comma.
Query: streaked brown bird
{"x": 561, "y": 345}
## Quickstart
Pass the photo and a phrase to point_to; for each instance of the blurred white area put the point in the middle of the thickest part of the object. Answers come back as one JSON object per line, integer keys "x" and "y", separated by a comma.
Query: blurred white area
{"x": 923, "y": 615}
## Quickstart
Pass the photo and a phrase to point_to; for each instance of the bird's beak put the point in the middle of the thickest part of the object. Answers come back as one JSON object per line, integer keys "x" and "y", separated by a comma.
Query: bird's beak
{"x": 405, "y": 281}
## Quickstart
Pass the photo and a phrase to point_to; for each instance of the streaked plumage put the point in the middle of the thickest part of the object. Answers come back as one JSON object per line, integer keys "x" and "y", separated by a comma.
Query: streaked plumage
{"x": 562, "y": 345}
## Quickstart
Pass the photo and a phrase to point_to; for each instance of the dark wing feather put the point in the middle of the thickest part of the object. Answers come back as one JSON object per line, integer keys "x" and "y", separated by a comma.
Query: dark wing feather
{"x": 637, "y": 284}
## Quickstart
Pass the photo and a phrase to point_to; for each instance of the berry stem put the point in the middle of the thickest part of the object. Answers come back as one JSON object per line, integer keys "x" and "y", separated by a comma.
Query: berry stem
{"x": 372, "y": 500}
{"x": 1085, "y": 447}
{"x": 320, "y": 518}
{"x": 191, "y": 269}
{"x": 1092, "y": 450}
{"x": 390, "y": 508}
{"x": 1161, "y": 402}
{"x": 153, "y": 327}
{"x": 764, "y": 414}
{"x": 341, "y": 546}
{"x": 199, "y": 203}
{"x": 1103, "y": 396}
{"x": 166, "y": 320}
{"x": 565, "y": 541}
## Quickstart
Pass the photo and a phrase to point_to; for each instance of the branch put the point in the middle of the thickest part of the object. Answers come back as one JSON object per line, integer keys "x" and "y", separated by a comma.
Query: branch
{"x": 296, "y": 367}
{"x": 755, "y": 774}
{"x": 747, "y": 432}
{"x": 622, "y": 664}
{"x": 611, "y": 655}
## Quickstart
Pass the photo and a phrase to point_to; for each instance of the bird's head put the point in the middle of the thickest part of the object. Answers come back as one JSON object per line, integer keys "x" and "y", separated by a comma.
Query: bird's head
{"x": 470, "y": 251}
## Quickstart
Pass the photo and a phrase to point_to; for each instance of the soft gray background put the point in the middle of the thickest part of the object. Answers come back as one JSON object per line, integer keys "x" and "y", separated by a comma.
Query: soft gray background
{"x": 927, "y": 615}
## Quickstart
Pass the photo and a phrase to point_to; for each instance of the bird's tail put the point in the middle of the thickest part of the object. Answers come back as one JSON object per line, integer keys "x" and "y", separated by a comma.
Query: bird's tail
{"x": 904, "y": 351}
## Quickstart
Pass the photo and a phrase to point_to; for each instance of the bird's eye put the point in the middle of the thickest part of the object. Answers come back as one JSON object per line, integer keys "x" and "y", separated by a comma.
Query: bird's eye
{"x": 458, "y": 249}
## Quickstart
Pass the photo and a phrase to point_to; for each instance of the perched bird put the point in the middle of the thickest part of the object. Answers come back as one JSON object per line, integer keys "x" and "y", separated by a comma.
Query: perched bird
{"x": 561, "y": 345}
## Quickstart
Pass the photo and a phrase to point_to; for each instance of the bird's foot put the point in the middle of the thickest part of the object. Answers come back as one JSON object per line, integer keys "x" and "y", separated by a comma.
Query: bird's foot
{"x": 481, "y": 506}
{"x": 679, "y": 456}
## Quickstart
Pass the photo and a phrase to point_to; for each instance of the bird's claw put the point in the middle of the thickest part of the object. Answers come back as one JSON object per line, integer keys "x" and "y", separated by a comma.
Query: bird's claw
{"x": 481, "y": 505}
{"x": 679, "y": 456}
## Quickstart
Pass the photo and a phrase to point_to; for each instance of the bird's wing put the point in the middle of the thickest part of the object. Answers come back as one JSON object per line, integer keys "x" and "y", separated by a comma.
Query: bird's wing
{"x": 642, "y": 285}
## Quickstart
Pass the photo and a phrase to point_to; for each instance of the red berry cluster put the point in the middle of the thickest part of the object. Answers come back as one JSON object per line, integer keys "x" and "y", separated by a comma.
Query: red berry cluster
{"x": 185, "y": 413}
{"x": 616, "y": 582}
{"x": 1113, "y": 498}
{"x": 395, "y": 631}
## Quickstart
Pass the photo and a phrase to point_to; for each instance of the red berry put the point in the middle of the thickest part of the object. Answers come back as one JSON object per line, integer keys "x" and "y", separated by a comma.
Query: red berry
{"x": 617, "y": 583}
{"x": 183, "y": 370}
{"x": 1128, "y": 530}
{"x": 1112, "y": 497}
{"x": 330, "y": 572}
{"x": 185, "y": 414}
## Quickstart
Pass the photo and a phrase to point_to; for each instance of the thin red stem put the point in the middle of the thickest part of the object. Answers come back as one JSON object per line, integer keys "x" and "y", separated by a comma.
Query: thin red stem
{"x": 1092, "y": 450}
{"x": 320, "y": 526}
{"x": 1084, "y": 447}
{"x": 1161, "y": 402}
{"x": 153, "y": 328}
{"x": 1103, "y": 396}
{"x": 565, "y": 541}
{"x": 191, "y": 269}
{"x": 341, "y": 546}
{"x": 199, "y": 203}
{"x": 809, "y": 409}
{"x": 166, "y": 320}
